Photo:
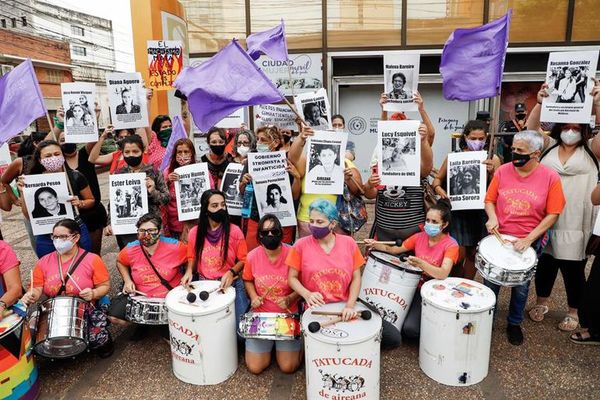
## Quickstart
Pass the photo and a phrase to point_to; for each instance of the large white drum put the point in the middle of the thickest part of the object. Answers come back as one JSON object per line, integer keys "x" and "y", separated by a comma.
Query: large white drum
{"x": 456, "y": 331}
{"x": 203, "y": 334}
{"x": 388, "y": 285}
{"x": 342, "y": 360}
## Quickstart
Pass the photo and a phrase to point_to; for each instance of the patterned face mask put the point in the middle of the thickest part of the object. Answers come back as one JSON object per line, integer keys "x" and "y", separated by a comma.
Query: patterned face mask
{"x": 53, "y": 164}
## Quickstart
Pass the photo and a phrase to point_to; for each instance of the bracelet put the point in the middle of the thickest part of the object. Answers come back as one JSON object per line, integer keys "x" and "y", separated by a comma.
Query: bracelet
{"x": 233, "y": 272}
{"x": 58, "y": 124}
{"x": 3, "y": 303}
{"x": 3, "y": 188}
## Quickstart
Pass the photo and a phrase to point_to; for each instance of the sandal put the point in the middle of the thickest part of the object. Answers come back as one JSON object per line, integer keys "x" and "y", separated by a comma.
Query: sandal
{"x": 569, "y": 323}
{"x": 578, "y": 338}
{"x": 537, "y": 312}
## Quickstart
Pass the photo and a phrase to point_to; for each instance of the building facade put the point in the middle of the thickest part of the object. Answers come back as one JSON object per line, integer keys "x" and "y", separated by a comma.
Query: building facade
{"x": 345, "y": 40}
{"x": 89, "y": 39}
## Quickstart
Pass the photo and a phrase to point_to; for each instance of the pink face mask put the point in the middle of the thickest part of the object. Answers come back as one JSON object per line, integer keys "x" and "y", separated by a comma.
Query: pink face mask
{"x": 475, "y": 145}
{"x": 183, "y": 160}
{"x": 53, "y": 164}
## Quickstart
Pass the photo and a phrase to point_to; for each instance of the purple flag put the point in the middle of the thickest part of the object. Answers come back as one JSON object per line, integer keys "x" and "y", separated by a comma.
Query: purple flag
{"x": 227, "y": 82}
{"x": 21, "y": 100}
{"x": 270, "y": 42}
{"x": 473, "y": 61}
{"x": 177, "y": 133}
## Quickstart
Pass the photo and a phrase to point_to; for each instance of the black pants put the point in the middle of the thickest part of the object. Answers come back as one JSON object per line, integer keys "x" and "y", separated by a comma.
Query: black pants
{"x": 573, "y": 273}
{"x": 412, "y": 324}
{"x": 589, "y": 312}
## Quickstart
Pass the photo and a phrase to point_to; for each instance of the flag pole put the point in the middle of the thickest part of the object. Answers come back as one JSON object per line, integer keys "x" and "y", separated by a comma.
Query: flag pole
{"x": 294, "y": 111}
{"x": 494, "y": 125}
{"x": 75, "y": 210}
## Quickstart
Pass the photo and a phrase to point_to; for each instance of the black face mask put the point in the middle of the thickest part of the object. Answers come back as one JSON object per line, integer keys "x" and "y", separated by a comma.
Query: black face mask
{"x": 286, "y": 139}
{"x": 217, "y": 149}
{"x": 68, "y": 148}
{"x": 218, "y": 216}
{"x": 271, "y": 242}
{"x": 521, "y": 116}
{"x": 133, "y": 161}
{"x": 519, "y": 160}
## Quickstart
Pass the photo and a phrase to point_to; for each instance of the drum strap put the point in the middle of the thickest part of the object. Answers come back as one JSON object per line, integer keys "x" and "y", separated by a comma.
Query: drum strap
{"x": 163, "y": 281}
{"x": 70, "y": 272}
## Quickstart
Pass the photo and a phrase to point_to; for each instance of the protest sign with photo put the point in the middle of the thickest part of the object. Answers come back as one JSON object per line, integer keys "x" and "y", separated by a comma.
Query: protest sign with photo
{"x": 271, "y": 184}
{"x": 127, "y": 99}
{"x": 275, "y": 114}
{"x": 165, "y": 61}
{"x": 200, "y": 145}
{"x": 78, "y": 100}
{"x": 401, "y": 80}
{"x": 304, "y": 73}
{"x": 234, "y": 120}
{"x": 315, "y": 109}
{"x": 569, "y": 78}
{"x": 128, "y": 201}
{"x": 193, "y": 181}
{"x": 46, "y": 197}
{"x": 399, "y": 153}
{"x": 325, "y": 162}
{"x": 230, "y": 186}
{"x": 467, "y": 180}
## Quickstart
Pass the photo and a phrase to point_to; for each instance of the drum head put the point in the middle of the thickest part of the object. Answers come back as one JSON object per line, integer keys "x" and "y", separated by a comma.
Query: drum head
{"x": 176, "y": 299}
{"x": 504, "y": 255}
{"x": 61, "y": 347}
{"x": 355, "y": 331}
{"x": 458, "y": 295}
{"x": 394, "y": 262}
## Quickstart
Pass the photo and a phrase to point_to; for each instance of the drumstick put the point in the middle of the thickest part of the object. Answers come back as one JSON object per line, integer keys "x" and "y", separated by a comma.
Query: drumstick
{"x": 191, "y": 296}
{"x": 31, "y": 280}
{"x": 141, "y": 293}
{"x": 270, "y": 289}
{"x": 74, "y": 283}
{"x": 364, "y": 314}
{"x": 205, "y": 294}
{"x": 315, "y": 326}
{"x": 498, "y": 236}
{"x": 397, "y": 242}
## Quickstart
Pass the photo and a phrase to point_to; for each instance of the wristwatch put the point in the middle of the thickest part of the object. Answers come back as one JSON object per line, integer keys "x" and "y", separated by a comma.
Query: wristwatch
{"x": 3, "y": 304}
{"x": 233, "y": 272}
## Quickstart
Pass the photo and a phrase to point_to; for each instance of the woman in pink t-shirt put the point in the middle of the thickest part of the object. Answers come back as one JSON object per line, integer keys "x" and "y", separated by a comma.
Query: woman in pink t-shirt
{"x": 265, "y": 278}
{"x": 217, "y": 249}
{"x": 72, "y": 271}
{"x": 10, "y": 278}
{"x": 325, "y": 267}
{"x": 435, "y": 253}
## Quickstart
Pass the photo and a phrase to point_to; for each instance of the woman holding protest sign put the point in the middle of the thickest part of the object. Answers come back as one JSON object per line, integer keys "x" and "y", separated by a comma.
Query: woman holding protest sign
{"x": 216, "y": 158}
{"x": 115, "y": 158}
{"x": 183, "y": 154}
{"x": 468, "y": 226}
{"x": 158, "y": 193}
{"x": 243, "y": 143}
{"x": 49, "y": 158}
{"x": 269, "y": 138}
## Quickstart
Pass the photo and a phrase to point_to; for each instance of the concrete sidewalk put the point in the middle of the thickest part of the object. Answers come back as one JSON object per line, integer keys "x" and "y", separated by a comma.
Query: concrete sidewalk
{"x": 546, "y": 366}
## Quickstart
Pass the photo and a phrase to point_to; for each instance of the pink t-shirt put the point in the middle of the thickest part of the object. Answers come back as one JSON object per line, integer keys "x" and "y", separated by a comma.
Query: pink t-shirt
{"x": 211, "y": 264}
{"x": 8, "y": 261}
{"x": 522, "y": 202}
{"x": 91, "y": 272}
{"x": 172, "y": 216}
{"x": 434, "y": 255}
{"x": 168, "y": 257}
{"x": 329, "y": 274}
{"x": 156, "y": 152}
{"x": 266, "y": 274}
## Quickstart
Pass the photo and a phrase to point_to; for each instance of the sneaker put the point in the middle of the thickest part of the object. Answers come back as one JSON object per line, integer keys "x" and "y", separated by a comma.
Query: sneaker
{"x": 514, "y": 334}
{"x": 139, "y": 333}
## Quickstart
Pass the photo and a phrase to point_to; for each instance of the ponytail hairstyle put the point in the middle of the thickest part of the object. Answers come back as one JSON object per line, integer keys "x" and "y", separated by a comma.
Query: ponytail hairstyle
{"x": 444, "y": 207}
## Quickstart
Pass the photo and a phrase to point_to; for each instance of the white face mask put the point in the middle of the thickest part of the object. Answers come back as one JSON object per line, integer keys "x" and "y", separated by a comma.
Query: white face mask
{"x": 63, "y": 246}
{"x": 570, "y": 136}
{"x": 243, "y": 150}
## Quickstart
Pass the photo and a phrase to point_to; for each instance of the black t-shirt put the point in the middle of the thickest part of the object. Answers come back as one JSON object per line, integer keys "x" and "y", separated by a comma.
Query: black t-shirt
{"x": 217, "y": 170}
{"x": 89, "y": 172}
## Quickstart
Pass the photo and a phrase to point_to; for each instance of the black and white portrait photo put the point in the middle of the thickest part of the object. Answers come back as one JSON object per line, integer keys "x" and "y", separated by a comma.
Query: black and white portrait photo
{"x": 315, "y": 114}
{"x": 275, "y": 200}
{"x": 230, "y": 186}
{"x": 78, "y": 101}
{"x": 128, "y": 201}
{"x": 46, "y": 198}
{"x": 127, "y": 100}
{"x": 127, "y": 106}
{"x": 401, "y": 79}
{"x": 464, "y": 179}
{"x": 324, "y": 167}
{"x": 193, "y": 181}
{"x": 47, "y": 204}
{"x": 315, "y": 109}
{"x": 395, "y": 152}
{"x": 569, "y": 79}
{"x": 190, "y": 191}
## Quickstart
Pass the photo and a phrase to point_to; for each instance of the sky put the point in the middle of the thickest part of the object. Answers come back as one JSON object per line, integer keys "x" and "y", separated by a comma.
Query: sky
{"x": 119, "y": 12}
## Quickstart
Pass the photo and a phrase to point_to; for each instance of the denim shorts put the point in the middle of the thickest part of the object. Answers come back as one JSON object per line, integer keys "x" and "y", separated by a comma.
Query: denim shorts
{"x": 265, "y": 345}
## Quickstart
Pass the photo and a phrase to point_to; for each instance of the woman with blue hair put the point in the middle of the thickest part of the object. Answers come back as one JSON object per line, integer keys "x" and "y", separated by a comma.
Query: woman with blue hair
{"x": 325, "y": 267}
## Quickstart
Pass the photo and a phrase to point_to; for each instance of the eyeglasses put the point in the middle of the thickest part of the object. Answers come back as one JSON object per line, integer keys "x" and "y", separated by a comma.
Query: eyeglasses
{"x": 61, "y": 237}
{"x": 151, "y": 231}
{"x": 273, "y": 232}
{"x": 243, "y": 142}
